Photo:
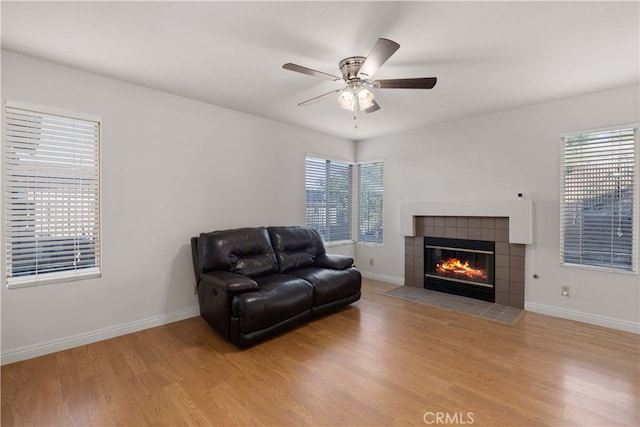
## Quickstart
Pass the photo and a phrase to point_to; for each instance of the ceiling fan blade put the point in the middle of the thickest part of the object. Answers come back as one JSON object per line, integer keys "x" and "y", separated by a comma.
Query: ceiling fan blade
{"x": 309, "y": 71}
{"x": 374, "y": 107}
{"x": 318, "y": 98}
{"x": 416, "y": 83}
{"x": 382, "y": 50}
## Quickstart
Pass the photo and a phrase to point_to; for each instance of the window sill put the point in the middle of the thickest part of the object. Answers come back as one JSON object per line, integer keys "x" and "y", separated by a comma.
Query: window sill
{"x": 600, "y": 269}
{"x": 339, "y": 243}
{"x": 47, "y": 279}
{"x": 379, "y": 245}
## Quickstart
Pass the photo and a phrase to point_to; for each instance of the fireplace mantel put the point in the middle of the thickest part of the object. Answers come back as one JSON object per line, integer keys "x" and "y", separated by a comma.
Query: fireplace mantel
{"x": 519, "y": 212}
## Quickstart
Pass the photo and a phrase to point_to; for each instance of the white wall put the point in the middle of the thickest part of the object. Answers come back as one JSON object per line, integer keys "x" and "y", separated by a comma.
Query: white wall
{"x": 494, "y": 157}
{"x": 172, "y": 168}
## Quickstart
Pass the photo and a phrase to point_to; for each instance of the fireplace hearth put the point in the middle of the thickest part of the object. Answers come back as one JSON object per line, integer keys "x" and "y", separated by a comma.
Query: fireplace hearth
{"x": 460, "y": 266}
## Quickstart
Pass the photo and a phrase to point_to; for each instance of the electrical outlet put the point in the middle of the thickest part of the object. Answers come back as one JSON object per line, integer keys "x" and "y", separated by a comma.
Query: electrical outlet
{"x": 565, "y": 291}
{"x": 370, "y": 261}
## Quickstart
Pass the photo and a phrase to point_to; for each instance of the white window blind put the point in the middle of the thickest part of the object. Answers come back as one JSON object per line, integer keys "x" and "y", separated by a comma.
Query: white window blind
{"x": 370, "y": 202}
{"x": 599, "y": 200}
{"x": 329, "y": 198}
{"x": 51, "y": 197}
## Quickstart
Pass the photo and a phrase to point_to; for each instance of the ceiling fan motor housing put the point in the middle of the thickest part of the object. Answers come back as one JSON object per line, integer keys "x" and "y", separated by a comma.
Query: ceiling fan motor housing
{"x": 350, "y": 67}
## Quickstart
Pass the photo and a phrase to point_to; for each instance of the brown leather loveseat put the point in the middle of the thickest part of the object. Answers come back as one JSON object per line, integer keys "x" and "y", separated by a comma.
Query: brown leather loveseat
{"x": 256, "y": 282}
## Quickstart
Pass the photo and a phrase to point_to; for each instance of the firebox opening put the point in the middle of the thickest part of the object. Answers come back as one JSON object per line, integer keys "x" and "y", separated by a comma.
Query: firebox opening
{"x": 460, "y": 266}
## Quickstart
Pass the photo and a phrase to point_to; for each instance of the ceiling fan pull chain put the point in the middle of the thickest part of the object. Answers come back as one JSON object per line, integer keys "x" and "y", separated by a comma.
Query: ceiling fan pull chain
{"x": 355, "y": 114}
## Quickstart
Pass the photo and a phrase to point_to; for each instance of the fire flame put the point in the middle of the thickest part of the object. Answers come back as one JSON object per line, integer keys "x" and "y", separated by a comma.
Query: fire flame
{"x": 454, "y": 265}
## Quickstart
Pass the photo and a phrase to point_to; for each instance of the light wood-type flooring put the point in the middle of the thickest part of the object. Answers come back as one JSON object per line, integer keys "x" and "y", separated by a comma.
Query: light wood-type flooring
{"x": 380, "y": 362}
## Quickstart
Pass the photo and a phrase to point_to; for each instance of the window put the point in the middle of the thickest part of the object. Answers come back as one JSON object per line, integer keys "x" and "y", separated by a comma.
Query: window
{"x": 370, "y": 207}
{"x": 51, "y": 196}
{"x": 599, "y": 200}
{"x": 329, "y": 198}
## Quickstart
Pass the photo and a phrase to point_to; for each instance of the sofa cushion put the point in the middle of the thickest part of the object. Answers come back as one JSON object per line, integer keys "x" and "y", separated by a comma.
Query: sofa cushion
{"x": 245, "y": 251}
{"x": 330, "y": 285}
{"x": 296, "y": 247}
{"x": 278, "y": 298}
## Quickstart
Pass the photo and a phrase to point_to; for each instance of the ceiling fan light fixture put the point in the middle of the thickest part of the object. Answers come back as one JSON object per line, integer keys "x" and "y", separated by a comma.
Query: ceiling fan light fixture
{"x": 346, "y": 99}
{"x": 355, "y": 93}
{"x": 365, "y": 98}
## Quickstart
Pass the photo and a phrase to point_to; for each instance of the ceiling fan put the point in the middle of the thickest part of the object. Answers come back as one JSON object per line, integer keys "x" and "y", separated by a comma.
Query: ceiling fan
{"x": 356, "y": 74}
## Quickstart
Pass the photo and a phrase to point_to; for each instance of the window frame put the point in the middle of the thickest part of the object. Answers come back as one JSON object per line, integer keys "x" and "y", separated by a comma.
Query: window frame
{"x": 635, "y": 226}
{"x": 324, "y": 230}
{"x": 93, "y": 204}
{"x": 360, "y": 207}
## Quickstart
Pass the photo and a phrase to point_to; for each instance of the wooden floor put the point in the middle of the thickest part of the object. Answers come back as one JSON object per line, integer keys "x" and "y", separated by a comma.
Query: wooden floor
{"x": 382, "y": 361}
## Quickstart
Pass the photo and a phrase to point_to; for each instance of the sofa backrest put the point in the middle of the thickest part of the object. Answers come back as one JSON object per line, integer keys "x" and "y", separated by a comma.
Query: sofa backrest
{"x": 245, "y": 251}
{"x": 295, "y": 246}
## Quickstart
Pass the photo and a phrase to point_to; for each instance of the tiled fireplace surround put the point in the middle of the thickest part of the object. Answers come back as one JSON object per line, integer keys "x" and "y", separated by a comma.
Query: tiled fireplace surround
{"x": 509, "y": 257}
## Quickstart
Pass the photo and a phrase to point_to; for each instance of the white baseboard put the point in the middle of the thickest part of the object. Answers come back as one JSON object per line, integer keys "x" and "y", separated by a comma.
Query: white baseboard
{"x": 593, "y": 319}
{"x": 53, "y": 346}
{"x": 383, "y": 278}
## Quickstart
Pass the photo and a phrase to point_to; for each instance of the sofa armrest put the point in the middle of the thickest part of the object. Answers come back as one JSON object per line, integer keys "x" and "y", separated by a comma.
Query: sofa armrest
{"x": 229, "y": 283}
{"x": 334, "y": 262}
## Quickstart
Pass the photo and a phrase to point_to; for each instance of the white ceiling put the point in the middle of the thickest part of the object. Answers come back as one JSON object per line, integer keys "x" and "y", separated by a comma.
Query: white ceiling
{"x": 488, "y": 56}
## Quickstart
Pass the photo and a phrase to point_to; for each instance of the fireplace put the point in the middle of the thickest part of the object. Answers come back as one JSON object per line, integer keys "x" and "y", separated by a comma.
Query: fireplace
{"x": 509, "y": 256}
{"x": 460, "y": 266}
